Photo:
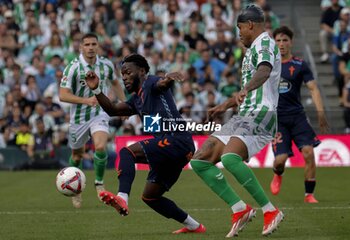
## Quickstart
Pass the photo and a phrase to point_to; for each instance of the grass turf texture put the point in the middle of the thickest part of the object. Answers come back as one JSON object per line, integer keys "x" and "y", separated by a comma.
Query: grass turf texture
{"x": 31, "y": 208}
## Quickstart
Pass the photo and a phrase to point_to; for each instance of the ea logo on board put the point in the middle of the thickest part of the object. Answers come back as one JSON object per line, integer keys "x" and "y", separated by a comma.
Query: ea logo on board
{"x": 332, "y": 152}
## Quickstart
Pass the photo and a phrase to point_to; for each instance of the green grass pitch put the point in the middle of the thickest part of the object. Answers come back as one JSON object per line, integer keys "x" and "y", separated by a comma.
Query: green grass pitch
{"x": 31, "y": 208}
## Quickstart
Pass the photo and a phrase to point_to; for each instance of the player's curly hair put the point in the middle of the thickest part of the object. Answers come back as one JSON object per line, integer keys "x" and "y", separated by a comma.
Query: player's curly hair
{"x": 138, "y": 60}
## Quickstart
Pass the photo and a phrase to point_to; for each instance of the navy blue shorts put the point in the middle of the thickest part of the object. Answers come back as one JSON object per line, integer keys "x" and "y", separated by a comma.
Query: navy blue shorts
{"x": 296, "y": 128}
{"x": 167, "y": 155}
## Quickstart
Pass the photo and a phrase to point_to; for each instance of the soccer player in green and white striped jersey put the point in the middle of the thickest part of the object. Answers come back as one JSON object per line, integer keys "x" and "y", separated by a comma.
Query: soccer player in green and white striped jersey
{"x": 247, "y": 133}
{"x": 86, "y": 116}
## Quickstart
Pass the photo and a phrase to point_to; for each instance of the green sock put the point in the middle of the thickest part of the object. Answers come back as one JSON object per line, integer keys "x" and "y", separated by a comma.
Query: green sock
{"x": 214, "y": 178}
{"x": 78, "y": 164}
{"x": 245, "y": 176}
{"x": 100, "y": 162}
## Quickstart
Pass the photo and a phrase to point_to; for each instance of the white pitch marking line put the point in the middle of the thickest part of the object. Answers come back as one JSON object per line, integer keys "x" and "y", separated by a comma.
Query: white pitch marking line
{"x": 149, "y": 210}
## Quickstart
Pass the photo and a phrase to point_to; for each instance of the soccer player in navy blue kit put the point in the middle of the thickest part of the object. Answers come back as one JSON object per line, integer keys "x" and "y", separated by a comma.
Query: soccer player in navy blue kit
{"x": 167, "y": 153}
{"x": 292, "y": 120}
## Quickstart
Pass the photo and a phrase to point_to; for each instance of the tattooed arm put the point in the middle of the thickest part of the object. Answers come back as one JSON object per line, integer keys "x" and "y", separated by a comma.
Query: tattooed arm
{"x": 260, "y": 77}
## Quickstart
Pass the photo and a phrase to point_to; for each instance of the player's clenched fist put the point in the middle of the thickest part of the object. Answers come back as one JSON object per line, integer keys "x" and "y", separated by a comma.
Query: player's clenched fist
{"x": 92, "y": 80}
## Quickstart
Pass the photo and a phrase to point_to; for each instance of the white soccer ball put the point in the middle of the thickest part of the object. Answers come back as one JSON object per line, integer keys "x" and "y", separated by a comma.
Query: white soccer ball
{"x": 70, "y": 181}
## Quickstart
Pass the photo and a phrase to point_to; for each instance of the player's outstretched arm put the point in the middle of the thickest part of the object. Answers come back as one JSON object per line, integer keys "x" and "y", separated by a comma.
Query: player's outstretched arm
{"x": 220, "y": 109}
{"x": 119, "y": 109}
{"x": 66, "y": 95}
{"x": 164, "y": 83}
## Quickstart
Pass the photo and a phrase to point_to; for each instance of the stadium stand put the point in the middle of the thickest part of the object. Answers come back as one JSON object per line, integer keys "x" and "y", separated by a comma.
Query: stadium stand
{"x": 38, "y": 39}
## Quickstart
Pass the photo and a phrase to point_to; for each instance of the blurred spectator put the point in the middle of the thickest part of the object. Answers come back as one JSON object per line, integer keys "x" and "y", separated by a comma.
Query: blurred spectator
{"x": 187, "y": 7}
{"x": 346, "y": 102}
{"x": 30, "y": 91}
{"x": 193, "y": 35}
{"x": 12, "y": 27}
{"x": 41, "y": 150}
{"x": 208, "y": 68}
{"x": 73, "y": 52}
{"x": 7, "y": 40}
{"x": 4, "y": 89}
{"x": 217, "y": 20}
{"x": 5, "y": 134}
{"x": 113, "y": 24}
{"x": 23, "y": 136}
{"x": 150, "y": 43}
{"x": 344, "y": 16}
{"x": 325, "y": 4}
{"x": 28, "y": 41}
{"x": 327, "y": 21}
{"x": 222, "y": 49}
{"x": 231, "y": 86}
{"x": 53, "y": 109}
{"x": 209, "y": 89}
{"x": 43, "y": 79}
{"x": 55, "y": 47}
{"x": 15, "y": 119}
{"x": 122, "y": 37}
{"x": 273, "y": 18}
{"x": 190, "y": 109}
{"x": 179, "y": 64}
{"x": 344, "y": 69}
{"x": 39, "y": 112}
{"x": 339, "y": 47}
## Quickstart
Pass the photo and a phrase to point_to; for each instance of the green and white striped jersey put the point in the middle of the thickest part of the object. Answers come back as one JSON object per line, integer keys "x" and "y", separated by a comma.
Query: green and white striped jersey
{"x": 261, "y": 103}
{"x": 74, "y": 79}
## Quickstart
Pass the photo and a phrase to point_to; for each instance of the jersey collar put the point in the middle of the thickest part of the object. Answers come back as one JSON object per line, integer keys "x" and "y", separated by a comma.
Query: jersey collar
{"x": 288, "y": 60}
{"x": 263, "y": 34}
{"x": 85, "y": 64}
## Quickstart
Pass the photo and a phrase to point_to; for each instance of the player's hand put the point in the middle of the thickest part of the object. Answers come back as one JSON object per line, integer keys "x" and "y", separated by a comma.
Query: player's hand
{"x": 92, "y": 80}
{"x": 240, "y": 96}
{"x": 175, "y": 76}
{"x": 91, "y": 101}
{"x": 215, "y": 112}
{"x": 323, "y": 123}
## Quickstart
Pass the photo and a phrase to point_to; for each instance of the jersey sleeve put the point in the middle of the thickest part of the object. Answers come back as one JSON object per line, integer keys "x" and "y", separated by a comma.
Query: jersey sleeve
{"x": 307, "y": 75}
{"x": 69, "y": 73}
{"x": 265, "y": 51}
{"x": 151, "y": 83}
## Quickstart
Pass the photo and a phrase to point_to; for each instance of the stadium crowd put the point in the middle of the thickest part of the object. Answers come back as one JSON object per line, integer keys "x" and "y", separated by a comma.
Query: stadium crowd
{"x": 335, "y": 32}
{"x": 39, "y": 38}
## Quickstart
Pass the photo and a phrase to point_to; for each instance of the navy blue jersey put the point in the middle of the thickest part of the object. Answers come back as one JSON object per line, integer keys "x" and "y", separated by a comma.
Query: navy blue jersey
{"x": 294, "y": 73}
{"x": 150, "y": 100}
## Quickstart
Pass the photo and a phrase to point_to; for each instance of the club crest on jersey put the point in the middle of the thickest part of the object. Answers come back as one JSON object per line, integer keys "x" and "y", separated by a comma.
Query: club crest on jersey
{"x": 284, "y": 86}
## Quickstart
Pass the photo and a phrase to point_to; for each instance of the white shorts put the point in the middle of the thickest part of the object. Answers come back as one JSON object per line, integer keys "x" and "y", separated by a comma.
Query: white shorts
{"x": 254, "y": 136}
{"x": 79, "y": 134}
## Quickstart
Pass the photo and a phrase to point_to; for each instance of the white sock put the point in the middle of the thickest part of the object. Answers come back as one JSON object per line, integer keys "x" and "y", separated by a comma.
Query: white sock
{"x": 98, "y": 182}
{"x": 190, "y": 223}
{"x": 268, "y": 208}
{"x": 238, "y": 207}
{"x": 124, "y": 196}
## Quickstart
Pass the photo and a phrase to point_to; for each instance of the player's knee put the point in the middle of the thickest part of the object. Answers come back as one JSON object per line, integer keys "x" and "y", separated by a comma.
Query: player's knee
{"x": 308, "y": 154}
{"x": 200, "y": 165}
{"x": 100, "y": 148}
{"x": 230, "y": 160}
{"x": 77, "y": 156}
{"x": 149, "y": 200}
{"x": 206, "y": 155}
{"x": 126, "y": 153}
